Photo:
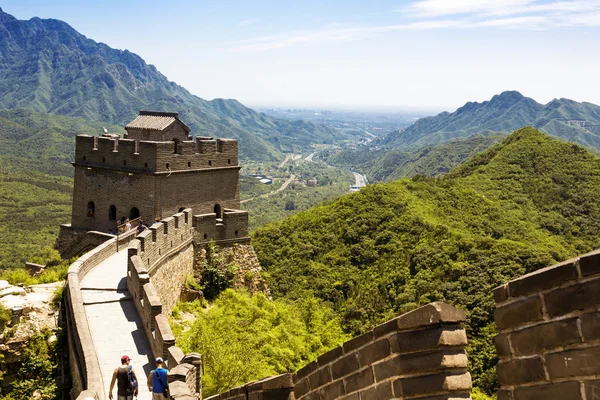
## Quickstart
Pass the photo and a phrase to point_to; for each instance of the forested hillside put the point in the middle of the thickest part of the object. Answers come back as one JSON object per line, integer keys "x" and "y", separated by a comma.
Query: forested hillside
{"x": 387, "y": 165}
{"x": 510, "y": 110}
{"x": 32, "y": 141}
{"x": 49, "y": 67}
{"x": 32, "y": 205}
{"x": 520, "y": 206}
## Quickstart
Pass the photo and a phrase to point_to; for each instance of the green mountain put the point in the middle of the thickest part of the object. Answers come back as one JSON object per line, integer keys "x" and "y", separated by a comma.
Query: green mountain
{"x": 47, "y": 66}
{"x": 526, "y": 203}
{"x": 562, "y": 118}
{"x": 387, "y": 165}
{"x": 32, "y": 141}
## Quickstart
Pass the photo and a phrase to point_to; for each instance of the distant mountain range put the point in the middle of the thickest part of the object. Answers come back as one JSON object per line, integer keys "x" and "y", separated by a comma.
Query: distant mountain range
{"x": 47, "y": 66}
{"x": 506, "y": 112}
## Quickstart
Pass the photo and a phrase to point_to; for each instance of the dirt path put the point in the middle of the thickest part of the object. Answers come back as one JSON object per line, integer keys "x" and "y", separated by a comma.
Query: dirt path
{"x": 287, "y": 158}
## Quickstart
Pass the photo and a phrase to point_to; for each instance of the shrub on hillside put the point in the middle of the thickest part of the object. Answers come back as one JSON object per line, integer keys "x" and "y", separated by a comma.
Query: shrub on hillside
{"x": 243, "y": 338}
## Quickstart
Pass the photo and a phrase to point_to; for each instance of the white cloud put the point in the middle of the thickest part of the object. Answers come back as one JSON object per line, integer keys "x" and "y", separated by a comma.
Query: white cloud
{"x": 437, "y": 8}
{"x": 446, "y": 14}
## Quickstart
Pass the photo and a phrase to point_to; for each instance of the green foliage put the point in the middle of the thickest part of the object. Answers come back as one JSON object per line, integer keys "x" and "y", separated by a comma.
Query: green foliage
{"x": 58, "y": 297}
{"x": 477, "y": 394}
{"x": 525, "y": 204}
{"x": 191, "y": 283}
{"x": 42, "y": 142}
{"x": 32, "y": 205}
{"x": 5, "y": 317}
{"x": 217, "y": 274}
{"x": 243, "y": 338}
{"x": 36, "y": 377}
{"x": 56, "y": 270}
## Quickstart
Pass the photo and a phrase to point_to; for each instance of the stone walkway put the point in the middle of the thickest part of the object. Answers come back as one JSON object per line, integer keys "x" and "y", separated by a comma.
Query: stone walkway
{"x": 116, "y": 327}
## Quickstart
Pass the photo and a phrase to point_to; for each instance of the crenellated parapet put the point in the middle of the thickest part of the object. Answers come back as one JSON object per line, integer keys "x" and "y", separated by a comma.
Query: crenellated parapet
{"x": 549, "y": 332}
{"x": 111, "y": 151}
{"x": 418, "y": 355}
{"x": 231, "y": 228}
{"x": 165, "y": 237}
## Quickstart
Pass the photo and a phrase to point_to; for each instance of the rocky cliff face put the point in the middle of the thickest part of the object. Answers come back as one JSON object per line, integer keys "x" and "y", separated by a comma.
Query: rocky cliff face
{"x": 32, "y": 312}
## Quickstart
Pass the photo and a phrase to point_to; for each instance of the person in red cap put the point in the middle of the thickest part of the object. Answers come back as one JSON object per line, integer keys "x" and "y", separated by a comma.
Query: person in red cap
{"x": 120, "y": 375}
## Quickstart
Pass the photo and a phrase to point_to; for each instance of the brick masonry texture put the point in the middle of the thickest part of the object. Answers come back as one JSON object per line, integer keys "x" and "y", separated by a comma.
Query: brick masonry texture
{"x": 376, "y": 366}
{"x": 549, "y": 343}
{"x": 158, "y": 262}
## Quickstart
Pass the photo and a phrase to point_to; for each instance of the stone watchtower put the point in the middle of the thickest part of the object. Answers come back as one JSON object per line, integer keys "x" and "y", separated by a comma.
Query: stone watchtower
{"x": 156, "y": 171}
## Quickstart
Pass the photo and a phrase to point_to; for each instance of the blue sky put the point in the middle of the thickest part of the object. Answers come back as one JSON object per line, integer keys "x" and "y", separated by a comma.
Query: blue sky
{"x": 435, "y": 54}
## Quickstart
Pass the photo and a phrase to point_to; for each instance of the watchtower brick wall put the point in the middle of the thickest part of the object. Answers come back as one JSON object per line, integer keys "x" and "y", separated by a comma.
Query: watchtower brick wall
{"x": 549, "y": 332}
{"x": 154, "y": 178}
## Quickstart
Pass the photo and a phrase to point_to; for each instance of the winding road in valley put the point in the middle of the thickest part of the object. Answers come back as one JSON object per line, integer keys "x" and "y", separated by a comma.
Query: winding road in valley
{"x": 283, "y": 186}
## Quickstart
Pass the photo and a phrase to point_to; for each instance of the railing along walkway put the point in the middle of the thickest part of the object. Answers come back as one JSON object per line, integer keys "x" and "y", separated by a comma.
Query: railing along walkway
{"x": 114, "y": 321}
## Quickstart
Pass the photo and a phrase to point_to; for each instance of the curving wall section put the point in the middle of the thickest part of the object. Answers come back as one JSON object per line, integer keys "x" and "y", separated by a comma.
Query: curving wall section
{"x": 163, "y": 255}
{"x": 83, "y": 359}
{"x": 418, "y": 355}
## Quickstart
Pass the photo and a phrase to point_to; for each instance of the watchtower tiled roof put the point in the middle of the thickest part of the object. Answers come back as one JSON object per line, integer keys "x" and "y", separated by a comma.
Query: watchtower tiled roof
{"x": 155, "y": 121}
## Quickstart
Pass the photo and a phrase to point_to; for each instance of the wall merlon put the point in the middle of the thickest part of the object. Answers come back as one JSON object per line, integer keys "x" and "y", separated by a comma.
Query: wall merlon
{"x": 430, "y": 314}
{"x": 589, "y": 263}
{"x": 205, "y": 146}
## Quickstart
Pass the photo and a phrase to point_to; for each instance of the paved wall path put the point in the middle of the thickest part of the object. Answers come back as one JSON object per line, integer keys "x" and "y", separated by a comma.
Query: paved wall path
{"x": 114, "y": 322}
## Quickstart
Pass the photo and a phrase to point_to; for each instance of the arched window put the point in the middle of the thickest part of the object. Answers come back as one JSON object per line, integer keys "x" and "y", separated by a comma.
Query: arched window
{"x": 91, "y": 209}
{"x": 112, "y": 213}
{"x": 176, "y": 146}
{"x": 218, "y": 211}
{"x": 134, "y": 213}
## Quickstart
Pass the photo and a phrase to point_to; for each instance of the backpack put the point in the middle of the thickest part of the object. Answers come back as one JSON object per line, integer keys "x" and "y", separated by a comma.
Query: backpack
{"x": 132, "y": 383}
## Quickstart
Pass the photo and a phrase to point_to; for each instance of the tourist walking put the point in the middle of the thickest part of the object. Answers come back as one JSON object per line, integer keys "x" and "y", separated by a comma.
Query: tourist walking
{"x": 124, "y": 376}
{"x": 157, "y": 381}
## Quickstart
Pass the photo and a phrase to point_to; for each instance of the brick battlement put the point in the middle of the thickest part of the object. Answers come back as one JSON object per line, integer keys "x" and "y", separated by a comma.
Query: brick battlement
{"x": 233, "y": 227}
{"x": 418, "y": 355}
{"x": 163, "y": 238}
{"x": 549, "y": 332}
{"x": 148, "y": 156}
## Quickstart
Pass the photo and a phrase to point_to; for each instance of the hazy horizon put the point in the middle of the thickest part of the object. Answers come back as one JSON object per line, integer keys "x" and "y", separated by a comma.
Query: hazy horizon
{"x": 395, "y": 55}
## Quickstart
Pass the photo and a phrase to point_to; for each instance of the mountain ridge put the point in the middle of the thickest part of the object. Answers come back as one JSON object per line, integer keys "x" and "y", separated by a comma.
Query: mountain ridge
{"x": 504, "y": 112}
{"x": 48, "y": 66}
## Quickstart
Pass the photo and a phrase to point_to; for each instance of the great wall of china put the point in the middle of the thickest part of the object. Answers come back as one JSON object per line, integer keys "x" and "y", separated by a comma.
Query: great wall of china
{"x": 548, "y": 321}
